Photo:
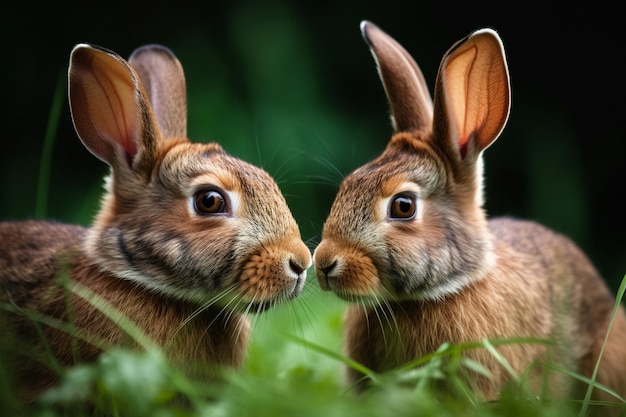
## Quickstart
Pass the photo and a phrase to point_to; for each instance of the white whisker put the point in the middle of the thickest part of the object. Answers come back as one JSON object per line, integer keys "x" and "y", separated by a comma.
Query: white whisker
{"x": 242, "y": 323}
{"x": 375, "y": 304}
{"x": 204, "y": 307}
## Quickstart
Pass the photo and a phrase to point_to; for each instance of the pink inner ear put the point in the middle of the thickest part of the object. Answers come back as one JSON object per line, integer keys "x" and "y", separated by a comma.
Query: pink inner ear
{"x": 114, "y": 113}
{"x": 458, "y": 91}
{"x": 476, "y": 91}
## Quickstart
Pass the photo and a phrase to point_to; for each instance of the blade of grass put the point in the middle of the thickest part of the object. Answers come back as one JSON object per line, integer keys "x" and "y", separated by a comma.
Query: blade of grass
{"x": 452, "y": 349}
{"x": 579, "y": 377}
{"x": 41, "y": 204}
{"x": 336, "y": 355}
{"x": 113, "y": 314}
{"x": 616, "y": 307}
{"x": 501, "y": 360}
{"x": 55, "y": 323}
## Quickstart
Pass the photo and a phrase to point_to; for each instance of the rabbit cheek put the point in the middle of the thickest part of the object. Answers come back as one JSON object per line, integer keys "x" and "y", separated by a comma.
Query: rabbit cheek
{"x": 360, "y": 276}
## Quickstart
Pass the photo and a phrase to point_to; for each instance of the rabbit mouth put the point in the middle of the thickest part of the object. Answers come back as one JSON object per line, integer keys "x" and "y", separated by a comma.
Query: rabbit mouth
{"x": 352, "y": 276}
{"x": 352, "y": 291}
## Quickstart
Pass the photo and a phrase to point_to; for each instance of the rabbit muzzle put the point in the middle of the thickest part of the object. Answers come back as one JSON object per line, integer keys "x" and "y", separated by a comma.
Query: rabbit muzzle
{"x": 346, "y": 270}
{"x": 275, "y": 272}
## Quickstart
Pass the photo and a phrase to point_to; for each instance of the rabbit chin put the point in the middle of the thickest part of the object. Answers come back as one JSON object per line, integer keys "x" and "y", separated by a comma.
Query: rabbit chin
{"x": 431, "y": 292}
{"x": 383, "y": 294}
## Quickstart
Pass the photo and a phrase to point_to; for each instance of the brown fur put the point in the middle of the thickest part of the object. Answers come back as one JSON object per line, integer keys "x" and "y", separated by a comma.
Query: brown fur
{"x": 186, "y": 276}
{"x": 212, "y": 338}
{"x": 446, "y": 274}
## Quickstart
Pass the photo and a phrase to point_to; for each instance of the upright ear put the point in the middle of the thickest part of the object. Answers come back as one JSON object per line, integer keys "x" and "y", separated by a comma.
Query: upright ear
{"x": 406, "y": 89}
{"x": 472, "y": 93}
{"x": 164, "y": 81}
{"x": 110, "y": 110}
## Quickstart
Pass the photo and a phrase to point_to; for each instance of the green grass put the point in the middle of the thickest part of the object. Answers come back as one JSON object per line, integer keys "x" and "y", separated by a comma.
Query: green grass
{"x": 294, "y": 367}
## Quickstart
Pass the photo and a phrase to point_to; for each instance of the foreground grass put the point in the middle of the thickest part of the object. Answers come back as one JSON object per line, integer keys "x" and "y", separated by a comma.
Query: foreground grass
{"x": 294, "y": 367}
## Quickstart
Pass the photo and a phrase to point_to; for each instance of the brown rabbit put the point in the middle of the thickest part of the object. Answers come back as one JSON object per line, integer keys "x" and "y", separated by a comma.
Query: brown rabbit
{"x": 408, "y": 243}
{"x": 188, "y": 240}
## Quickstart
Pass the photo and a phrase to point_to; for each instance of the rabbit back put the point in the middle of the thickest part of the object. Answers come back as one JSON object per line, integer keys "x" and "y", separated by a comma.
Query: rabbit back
{"x": 20, "y": 271}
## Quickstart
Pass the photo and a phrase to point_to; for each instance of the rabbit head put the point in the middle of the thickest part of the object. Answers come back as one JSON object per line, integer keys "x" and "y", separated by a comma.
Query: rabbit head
{"x": 184, "y": 219}
{"x": 410, "y": 224}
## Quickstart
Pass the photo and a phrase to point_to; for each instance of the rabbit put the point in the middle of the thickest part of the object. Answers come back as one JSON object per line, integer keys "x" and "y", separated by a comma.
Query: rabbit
{"x": 187, "y": 243}
{"x": 408, "y": 245}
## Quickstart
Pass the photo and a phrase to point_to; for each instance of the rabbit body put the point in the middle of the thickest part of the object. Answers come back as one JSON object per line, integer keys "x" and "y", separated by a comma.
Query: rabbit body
{"x": 407, "y": 241}
{"x": 213, "y": 338}
{"x": 188, "y": 240}
{"x": 576, "y": 308}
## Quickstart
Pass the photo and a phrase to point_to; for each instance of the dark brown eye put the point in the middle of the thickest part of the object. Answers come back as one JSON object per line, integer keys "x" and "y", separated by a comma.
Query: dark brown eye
{"x": 402, "y": 207}
{"x": 209, "y": 202}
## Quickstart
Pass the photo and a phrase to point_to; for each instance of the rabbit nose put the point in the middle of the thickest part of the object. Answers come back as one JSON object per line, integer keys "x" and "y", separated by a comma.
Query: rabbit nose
{"x": 299, "y": 260}
{"x": 328, "y": 269}
{"x": 323, "y": 271}
{"x": 295, "y": 266}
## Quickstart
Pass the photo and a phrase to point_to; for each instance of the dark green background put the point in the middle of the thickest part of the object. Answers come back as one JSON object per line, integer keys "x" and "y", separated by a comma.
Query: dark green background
{"x": 291, "y": 86}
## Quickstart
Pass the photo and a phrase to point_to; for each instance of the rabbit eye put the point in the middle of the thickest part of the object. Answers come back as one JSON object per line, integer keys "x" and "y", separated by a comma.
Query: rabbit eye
{"x": 402, "y": 207}
{"x": 209, "y": 202}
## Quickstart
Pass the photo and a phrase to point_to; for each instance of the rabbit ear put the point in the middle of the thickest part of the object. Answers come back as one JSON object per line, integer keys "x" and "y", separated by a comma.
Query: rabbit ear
{"x": 164, "y": 81}
{"x": 110, "y": 109}
{"x": 406, "y": 89}
{"x": 472, "y": 93}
